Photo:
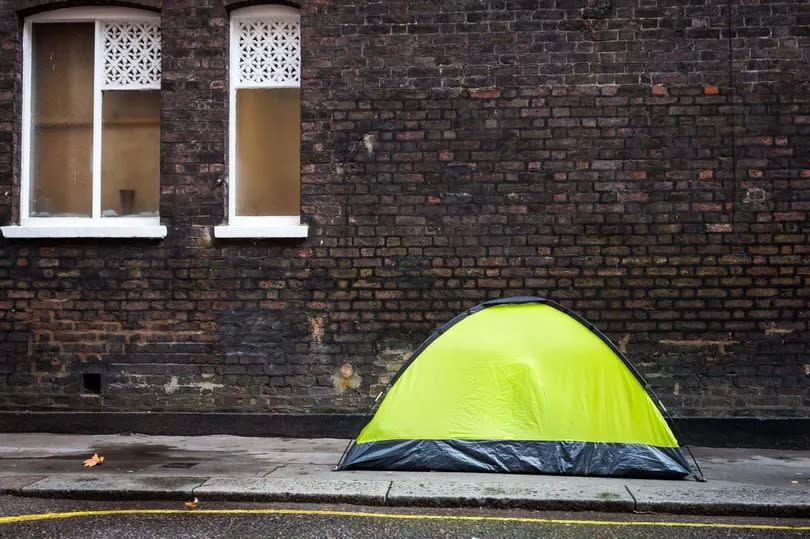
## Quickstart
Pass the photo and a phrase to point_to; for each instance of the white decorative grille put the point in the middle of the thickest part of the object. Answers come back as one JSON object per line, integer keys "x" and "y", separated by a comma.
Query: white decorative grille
{"x": 131, "y": 55}
{"x": 269, "y": 51}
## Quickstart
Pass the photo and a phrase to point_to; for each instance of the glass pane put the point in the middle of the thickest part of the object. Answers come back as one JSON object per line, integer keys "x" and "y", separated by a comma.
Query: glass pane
{"x": 62, "y": 119}
{"x": 268, "y": 132}
{"x": 130, "y": 153}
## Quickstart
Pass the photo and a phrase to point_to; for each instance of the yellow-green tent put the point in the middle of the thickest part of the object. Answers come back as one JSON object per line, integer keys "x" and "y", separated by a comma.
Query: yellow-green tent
{"x": 519, "y": 385}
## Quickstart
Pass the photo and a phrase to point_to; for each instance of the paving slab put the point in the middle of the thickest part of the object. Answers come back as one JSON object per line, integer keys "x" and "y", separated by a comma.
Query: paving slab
{"x": 721, "y": 498}
{"x": 740, "y": 481}
{"x": 765, "y": 467}
{"x": 299, "y": 490}
{"x": 10, "y": 484}
{"x": 113, "y": 487}
{"x": 328, "y": 472}
{"x": 545, "y": 493}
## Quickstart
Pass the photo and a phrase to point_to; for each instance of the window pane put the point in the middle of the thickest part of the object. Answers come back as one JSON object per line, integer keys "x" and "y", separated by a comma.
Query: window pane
{"x": 130, "y": 153}
{"x": 268, "y": 132}
{"x": 62, "y": 119}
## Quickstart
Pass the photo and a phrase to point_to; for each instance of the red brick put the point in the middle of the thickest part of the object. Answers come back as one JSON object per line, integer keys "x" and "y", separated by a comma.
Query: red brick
{"x": 410, "y": 135}
{"x": 789, "y": 216}
{"x": 485, "y": 93}
{"x": 706, "y": 206}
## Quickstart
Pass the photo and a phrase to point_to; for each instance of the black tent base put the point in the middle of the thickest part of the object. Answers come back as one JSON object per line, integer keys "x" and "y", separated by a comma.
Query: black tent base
{"x": 520, "y": 456}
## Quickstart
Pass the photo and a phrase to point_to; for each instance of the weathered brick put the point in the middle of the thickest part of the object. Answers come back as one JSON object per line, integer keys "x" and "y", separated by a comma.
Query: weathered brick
{"x": 485, "y": 93}
{"x": 588, "y": 161}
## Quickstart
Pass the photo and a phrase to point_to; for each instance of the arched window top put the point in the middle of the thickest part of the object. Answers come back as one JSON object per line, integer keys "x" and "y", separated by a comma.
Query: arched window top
{"x": 30, "y": 7}
{"x": 265, "y": 10}
{"x": 93, "y": 13}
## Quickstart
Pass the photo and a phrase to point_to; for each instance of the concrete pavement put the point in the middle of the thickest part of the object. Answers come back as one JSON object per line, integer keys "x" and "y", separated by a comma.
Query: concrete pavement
{"x": 231, "y": 468}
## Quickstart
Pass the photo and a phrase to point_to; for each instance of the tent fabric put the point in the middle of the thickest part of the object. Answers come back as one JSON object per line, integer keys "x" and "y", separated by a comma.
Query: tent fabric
{"x": 518, "y": 456}
{"x": 519, "y": 385}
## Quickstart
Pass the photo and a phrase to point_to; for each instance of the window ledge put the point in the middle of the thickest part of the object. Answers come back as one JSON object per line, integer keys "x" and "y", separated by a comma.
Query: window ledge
{"x": 84, "y": 231}
{"x": 261, "y": 231}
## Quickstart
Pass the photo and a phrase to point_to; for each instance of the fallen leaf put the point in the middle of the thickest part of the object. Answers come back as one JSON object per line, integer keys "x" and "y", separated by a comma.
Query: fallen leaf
{"x": 93, "y": 461}
{"x": 193, "y": 503}
{"x": 795, "y": 482}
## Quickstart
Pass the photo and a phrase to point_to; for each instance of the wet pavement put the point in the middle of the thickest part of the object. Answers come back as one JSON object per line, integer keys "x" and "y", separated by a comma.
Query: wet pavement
{"x": 230, "y": 468}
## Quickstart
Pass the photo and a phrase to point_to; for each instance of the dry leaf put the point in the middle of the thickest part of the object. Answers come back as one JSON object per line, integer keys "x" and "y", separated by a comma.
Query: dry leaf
{"x": 93, "y": 461}
{"x": 193, "y": 503}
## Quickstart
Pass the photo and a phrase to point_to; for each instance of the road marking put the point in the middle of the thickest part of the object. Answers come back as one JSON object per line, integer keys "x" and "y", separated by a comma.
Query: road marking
{"x": 324, "y": 512}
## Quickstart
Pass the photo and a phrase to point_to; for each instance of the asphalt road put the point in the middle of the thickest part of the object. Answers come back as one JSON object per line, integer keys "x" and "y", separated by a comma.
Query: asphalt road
{"x": 81, "y": 519}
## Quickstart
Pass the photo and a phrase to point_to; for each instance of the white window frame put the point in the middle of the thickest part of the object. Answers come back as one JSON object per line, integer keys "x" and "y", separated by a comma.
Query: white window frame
{"x": 95, "y": 226}
{"x": 253, "y": 226}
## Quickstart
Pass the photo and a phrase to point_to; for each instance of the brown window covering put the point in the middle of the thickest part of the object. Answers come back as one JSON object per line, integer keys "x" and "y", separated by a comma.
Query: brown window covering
{"x": 62, "y": 119}
{"x": 268, "y": 131}
{"x": 130, "y": 153}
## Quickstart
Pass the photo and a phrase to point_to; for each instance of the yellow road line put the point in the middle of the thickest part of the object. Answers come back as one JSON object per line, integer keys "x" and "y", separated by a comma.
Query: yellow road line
{"x": 318, "y": 512}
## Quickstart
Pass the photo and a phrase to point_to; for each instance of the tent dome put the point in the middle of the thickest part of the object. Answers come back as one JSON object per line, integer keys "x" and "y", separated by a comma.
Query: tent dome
{"x": 519, "y": 385}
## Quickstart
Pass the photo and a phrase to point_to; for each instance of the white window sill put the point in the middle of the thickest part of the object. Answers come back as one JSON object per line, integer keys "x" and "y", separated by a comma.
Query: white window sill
{"x": 261, "y": 231}
{"x": 84, "y": 231}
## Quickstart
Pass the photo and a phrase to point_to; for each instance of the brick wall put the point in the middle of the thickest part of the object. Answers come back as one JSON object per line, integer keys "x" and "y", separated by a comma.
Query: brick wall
{"x": 603, "y": 153}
